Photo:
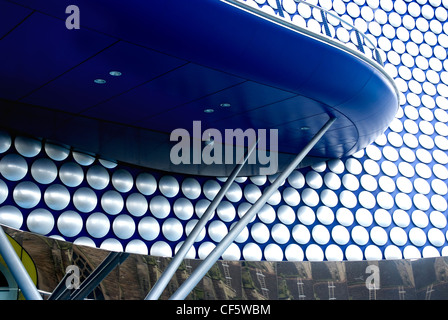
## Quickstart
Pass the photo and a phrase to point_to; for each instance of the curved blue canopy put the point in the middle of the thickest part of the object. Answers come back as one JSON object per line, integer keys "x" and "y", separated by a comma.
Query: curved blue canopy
{"x": 176, "y": 59}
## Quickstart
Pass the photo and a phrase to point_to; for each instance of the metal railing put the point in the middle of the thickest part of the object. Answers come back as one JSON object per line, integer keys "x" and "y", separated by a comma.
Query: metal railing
{"x": 328, "y": 21}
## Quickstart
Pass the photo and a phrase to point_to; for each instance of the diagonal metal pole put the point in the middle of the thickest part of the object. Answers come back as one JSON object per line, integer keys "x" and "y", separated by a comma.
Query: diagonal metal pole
{"x": 203, "y": 268}
{"x": 17, "y": 269}
{"x": 98, "y": 275}
{"x": 165, "y": 278}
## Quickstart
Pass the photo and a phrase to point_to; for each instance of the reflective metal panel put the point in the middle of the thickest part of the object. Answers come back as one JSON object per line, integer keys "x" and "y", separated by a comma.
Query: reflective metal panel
{"x": 401, "y": 218}
{"x": 205, "y": 249}
{"x": 368, "y": 182}
{"x": 252, "y": 252}
{"x": 226, "y": 211}
{"x": 191, "y": 254}
{"x": 314, "y": 253}
{"x": 13, "y": 167}
{"x": 301, "y": 234}
{"x": 112, "y": 244}
{"x": 259, "y": 232}
{"x": 320, "y": 234}
{"x": 350, "y": 182}
{"x": 258, "y": 180}
{"x": 360, "y": 235}
{"x": 112, "y": 202}
{"x": 243, "y": 236}
{"x": 336, "y": 166}
{"x": 348, "y": 199}
{"x": 420, "y": 219}
{"x": 382, "y": 218}
{"x": 172, "y": 229}
{"x": 344, "y": 216}
{"x": 306, "y": 215}
{"x": 148, "y": 228}
{"x": 83, "y": 158}
{"x": 84, "y": 241}
{"x": 252, "y": 193}
{"x": 340, "y": 235}
{"x": 109, "y": 164}
{"x": 436, "y": 237}
{"x": 334, "y": 253}
{"x": 201, "y": 206}
{"x": 372, "y": 252}
{"x": 26, "y": 194}
{"x": 310, "y": 197}
{"x": 40, "y": 221}
{"x": 160, "y": 207}
{"x": 353, "y": 253}
{"x": 285, "y": 214}
{"x": 5, "y": 141}
{"x": 44, "y": 171}
{"x": 385, "y": 200}
{"x": 97, "y": 225}
{"x": 97, "y": 177}
{"x": 417, "y": 237}
{"x": 146, "y": 183}
{"x": 296, "y": 179}
{"x": 332, "y": 181}
{"x": 232, "y": 253}
{"x": 364, "y": 217}
{"x": 275, "y": 198}
{"x": 293, "y": 252}
{"x": 161, "y": 249}
{"x": 291, "y": 196}
{"x": 27, "y": 147}
{"x": 234, "y": 193}
{"x": 217, "y": 230}
{"x": 11, "y": 216}
{"x": 137, "y": 205}
{"x": 56, "y": 152}
{"x": 70, "y": 223}
{"x": 136, "y": 246}
{"x": 280, "y": 233}
{"x": 3, "y": 191}
{"x": 57, "y": 197}
{"x": 329, "y": 198}
{"x": 122, "y": 180}
{"x": 272, "y": 252}
{"x": 378, "y": 236}
{"x": 325, "y": 215}
{"x": 438, "y": 219}
{"x": 85, "y": 199}
{"x": 314, "y": 179}
{"x": 123, "y": 226}
{"x": 439, "y": 203}
{"x": 71, "y": 174}
{"x": 211, "y": 189}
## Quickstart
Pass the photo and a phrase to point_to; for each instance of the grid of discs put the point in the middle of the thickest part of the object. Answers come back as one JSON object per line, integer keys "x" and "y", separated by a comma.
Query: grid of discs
{"x": 396, "y": 188}
{"x": 385, "y": 202}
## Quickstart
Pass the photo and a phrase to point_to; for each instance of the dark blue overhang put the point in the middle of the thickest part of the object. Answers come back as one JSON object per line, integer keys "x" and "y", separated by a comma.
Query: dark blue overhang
{"x": 178, "y": 58}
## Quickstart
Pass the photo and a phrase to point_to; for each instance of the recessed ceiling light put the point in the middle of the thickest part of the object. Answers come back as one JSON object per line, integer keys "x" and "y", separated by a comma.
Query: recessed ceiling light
{"x": 225, "y": 105}
{"x": 209, "y": 110}
{"x": 115, "y": 73}
{"x": 99, "y": 81}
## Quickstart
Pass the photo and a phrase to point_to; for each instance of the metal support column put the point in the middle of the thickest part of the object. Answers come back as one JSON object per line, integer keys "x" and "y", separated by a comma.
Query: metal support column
{"x": 17, "y": 269}
{"x": 163, "y": 281}
{"x": 208, "y": 262}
